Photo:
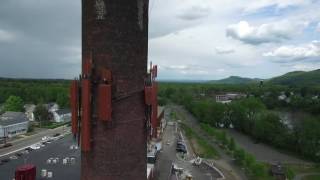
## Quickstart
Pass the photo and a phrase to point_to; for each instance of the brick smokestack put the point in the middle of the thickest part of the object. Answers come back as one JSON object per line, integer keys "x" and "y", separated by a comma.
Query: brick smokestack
{"x": 115, "y": 37}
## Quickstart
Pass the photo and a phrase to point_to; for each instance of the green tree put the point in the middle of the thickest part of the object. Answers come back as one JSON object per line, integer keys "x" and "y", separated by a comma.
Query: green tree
{"x": 224, "y": 138}
{"x": 14, "y": 103}
{"x": 268, "y": 128}
{"x": 258, "y": 170}
{"x": 62, "y": 100}
{"x": 304, "y": 91}
{"x": 249, "y": 160}
{"x": 308, "y": 138}
{"x": 41, "y": 113}
{"x": 289, "y": 173}
{"x": 237, "y": 115}
{"x": 232, "y": 144}
{"x": 217, "y": 113}
{"x": 240, "y": 156}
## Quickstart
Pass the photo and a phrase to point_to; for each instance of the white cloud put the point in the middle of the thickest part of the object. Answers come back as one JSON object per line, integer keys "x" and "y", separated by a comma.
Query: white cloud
{"x": 318, "y": 27}
{"x": 301, "y": 52}
{"x": 221, "y": 70}
{"x": 224, "y": 50}
{"x": 194, "y": 12}
{"x": 177, "y": 67}
{"x": 6, "y": 36}
{"x": 265, "y": 33}
{"x": 254, "y": 6}
{"x": 186, "y": 69}
{"x": 304, "y": 67}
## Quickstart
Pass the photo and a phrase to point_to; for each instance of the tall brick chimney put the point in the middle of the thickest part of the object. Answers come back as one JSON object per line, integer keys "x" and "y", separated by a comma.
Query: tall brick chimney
{"x": 114, "y": 50}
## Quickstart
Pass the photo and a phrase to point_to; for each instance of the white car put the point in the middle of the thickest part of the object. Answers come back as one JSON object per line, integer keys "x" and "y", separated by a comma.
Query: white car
{"x": 44, "y": 138}
{"x": 13, "y": 157}
{"x": 35, "y": 146}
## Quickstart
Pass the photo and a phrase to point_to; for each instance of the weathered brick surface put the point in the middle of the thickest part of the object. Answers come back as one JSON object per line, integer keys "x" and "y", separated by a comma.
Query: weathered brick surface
{"x": 117, "y": 36}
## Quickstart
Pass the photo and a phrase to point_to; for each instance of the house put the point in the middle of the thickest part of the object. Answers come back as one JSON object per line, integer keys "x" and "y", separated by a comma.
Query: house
{"x": 29, "y": 111}
{"x": 282, "y": 97}
{"x": 52, "y": 107}
{"x": 222, "y": 98}
{"x": 13, "y": 124}
{"x": 233, "y": 96}
{"x": 61, "y": 115}
{"x": 228, "y": 97}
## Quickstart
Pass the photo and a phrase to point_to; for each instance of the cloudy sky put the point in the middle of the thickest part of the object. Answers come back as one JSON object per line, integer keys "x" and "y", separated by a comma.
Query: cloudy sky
{"x": 188, "y": 39}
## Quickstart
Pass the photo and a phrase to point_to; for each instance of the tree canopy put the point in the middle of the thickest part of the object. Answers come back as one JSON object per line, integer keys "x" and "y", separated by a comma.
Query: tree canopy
{"x": 41, "y": 113}
{"x": 13, "y": 103}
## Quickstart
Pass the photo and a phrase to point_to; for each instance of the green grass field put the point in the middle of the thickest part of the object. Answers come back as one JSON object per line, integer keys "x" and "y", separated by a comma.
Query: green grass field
{"x": 200, "y": 145}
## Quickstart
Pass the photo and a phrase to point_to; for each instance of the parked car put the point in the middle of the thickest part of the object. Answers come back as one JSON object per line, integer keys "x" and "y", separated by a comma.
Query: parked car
{"x": 57, "y": 134}
{"x": 181, "y": 149}
{"x": 35, "y": 146}
{"x": 19, "y": 154}
{"x": 28, "y": 149}
{"x": 13, "y": 157}
{"x": 181, "y": 146}
{"x": 5, "y": 160}
{"x": 180, "y": 143}
{"x": 44, "y": 138}
{"x": 7, "y": 145}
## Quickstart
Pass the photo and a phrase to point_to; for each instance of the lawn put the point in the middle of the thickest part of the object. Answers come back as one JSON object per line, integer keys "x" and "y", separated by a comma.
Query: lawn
{"x": 51, "y": 125}
{"x": 312, "y": 177}
{"x": 200, "y": 145}
{"x": 304, "y": 168}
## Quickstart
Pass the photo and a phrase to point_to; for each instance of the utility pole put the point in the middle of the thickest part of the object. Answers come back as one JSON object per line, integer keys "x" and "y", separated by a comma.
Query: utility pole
{"x": 108, "y": 103}
{"x": 5, "y": 133}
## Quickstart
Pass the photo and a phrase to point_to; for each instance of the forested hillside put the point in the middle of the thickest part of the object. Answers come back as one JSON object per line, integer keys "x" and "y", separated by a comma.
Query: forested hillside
{"x": 293, "y": 79}
{"x": 35, "y": 91}
{"x": 298, "y": 78}
{"x": 235, "y": 80}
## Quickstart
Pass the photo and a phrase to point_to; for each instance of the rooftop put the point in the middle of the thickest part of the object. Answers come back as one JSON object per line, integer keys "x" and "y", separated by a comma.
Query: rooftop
{"x": 9, "y": 118}
{"x": 63, "y": 111}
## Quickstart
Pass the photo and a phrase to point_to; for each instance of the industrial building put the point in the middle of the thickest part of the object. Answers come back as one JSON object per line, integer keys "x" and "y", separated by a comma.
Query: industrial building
{"x": 13, "y": 124}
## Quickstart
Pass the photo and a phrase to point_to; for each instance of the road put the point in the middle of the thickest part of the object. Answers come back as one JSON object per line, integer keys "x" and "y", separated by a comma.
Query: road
{"x": 168, "y": 155}
{"x": 225, "y": 163}
{"x": 29, "y": 140}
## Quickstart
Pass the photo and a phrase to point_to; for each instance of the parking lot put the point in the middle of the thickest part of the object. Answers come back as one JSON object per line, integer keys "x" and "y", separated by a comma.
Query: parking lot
{"x": 60, "y": 158}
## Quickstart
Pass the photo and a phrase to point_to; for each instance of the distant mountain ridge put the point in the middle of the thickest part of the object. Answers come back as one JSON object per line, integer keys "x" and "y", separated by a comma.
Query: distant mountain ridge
{"x": 294, "y": 78}
{"x": 235, "y": 80}
{"x": 298, "y": 78}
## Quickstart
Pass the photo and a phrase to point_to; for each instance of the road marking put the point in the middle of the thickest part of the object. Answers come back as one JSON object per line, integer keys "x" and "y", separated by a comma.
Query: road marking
{"x": 14, "y": 151}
